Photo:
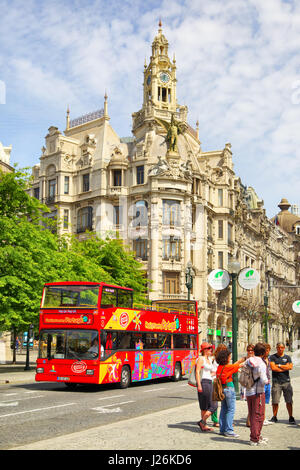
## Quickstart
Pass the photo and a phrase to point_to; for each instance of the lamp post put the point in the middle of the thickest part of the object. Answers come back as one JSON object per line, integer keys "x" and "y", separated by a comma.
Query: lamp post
{"x": 266, "y": 302}
{"x": 189, "y": 275}
{"x": 29, "y": 335}
{"x": 234, "y": 268}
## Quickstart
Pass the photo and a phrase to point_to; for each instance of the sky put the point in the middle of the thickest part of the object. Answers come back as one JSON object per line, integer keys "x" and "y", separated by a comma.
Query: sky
{"x": 238, "y": 71}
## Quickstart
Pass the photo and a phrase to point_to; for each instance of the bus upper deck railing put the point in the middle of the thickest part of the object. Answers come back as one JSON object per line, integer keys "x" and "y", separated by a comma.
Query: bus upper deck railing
{"x": 162, "y": 309}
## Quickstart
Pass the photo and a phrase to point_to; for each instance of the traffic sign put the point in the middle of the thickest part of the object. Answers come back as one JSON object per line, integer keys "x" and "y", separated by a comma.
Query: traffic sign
{"x": 219, "y": 279}
{"x": 296, "y": 306}
{"x": 248, "y": 278}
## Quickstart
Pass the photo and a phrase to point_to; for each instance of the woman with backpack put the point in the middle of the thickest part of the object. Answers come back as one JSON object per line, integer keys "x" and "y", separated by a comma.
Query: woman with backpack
{"x": 256, "y": 394}
{"x": 225, "y": 371}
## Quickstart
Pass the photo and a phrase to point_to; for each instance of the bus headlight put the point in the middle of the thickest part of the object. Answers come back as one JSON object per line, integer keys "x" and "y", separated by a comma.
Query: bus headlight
{"x": 40, "y": 370}
{"x": 90, "y": 372}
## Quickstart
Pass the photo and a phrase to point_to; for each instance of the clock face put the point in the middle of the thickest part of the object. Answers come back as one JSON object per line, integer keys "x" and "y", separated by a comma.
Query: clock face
{"x": 164, "y": 77}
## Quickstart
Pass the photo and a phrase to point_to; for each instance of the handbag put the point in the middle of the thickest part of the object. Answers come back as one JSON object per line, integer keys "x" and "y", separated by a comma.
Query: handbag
{"x": 192, "y": 377}
{"x": 218, "y": 394}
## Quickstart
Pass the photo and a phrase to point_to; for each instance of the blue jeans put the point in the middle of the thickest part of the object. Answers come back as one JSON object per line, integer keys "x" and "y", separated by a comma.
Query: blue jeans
{"x": 227, "y": 411}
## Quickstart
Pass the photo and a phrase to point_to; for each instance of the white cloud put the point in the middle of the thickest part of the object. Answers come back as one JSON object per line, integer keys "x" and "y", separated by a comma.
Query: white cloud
{"x": 237, "y": 64}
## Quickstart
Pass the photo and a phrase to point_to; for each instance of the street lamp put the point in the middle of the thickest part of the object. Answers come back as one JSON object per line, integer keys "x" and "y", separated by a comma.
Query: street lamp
{"x": 189, "y": 275}
{"x": 266, "y": 302}
{"x": 29, "y": 335}
{"x": 234, "y": 268}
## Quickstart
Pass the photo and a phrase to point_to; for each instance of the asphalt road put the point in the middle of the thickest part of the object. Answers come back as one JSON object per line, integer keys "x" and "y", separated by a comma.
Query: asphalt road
{"x": 36, "y": 411}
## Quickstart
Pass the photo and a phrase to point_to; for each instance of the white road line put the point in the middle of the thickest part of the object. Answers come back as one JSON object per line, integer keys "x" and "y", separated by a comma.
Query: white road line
{"x": 20, "y": 399}
{"x": 9, "y": 394}
{"x": 37, "y": 409}
{"x": 107, "y": 398}
{"x": 154, "y": 390}
{"x": 118, "y": 404}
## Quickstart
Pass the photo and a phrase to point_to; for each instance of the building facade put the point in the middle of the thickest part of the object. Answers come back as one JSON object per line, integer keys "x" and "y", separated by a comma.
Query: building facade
{"x": 171, "y": 203}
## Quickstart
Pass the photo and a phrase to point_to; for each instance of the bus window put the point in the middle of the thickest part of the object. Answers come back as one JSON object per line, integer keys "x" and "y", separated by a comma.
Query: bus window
{"x": 108, "y": 297}
{"x": 181, "y": 341}
{"x": 124, "y": 298}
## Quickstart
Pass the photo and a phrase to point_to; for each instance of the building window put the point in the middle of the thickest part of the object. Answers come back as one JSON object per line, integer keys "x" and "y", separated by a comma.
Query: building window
{"x": 220, "y": 260}
{"x": 117, "y": 174}
{"x": 171, "y": 248}
{"x": 140, "y": 248}
{"x": 229, "y": 233}
{"x": 209, "y": 230}
{"x": 117, "y": 215}
{"x": 220, "y": 229}
{"x": 140, "y": 174}
{"x": 85, "y": 219}
{"x": 52, "y": 190}
{"x": 36, "y": 193}
{"x": 67, "y": 185}
{"x": 86, "y": 183}
{"x": 140, "y": 214}
{"x": 171, "y": 212}
{"x": 171, "y": 283}
{"x": 66, "y": 218}
{"x": 220, "y": 197}
{"x": 297, "y": 228}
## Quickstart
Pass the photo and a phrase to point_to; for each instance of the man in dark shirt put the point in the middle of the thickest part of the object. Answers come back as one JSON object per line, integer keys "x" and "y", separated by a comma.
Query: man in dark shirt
{"x": 281, "y": 364}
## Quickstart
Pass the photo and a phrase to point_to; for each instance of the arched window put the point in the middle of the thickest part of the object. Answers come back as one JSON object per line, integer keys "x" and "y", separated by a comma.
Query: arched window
{"x": 85, "y": 219}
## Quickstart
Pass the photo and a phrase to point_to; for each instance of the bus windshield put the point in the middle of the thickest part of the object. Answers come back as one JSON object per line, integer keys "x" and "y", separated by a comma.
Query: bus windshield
{"x": 71, "y": 296}
{"x": 69, "y": 344}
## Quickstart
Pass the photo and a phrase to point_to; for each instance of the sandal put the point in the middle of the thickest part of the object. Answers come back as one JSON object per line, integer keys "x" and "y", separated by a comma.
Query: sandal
{"x": 203, "y": 427}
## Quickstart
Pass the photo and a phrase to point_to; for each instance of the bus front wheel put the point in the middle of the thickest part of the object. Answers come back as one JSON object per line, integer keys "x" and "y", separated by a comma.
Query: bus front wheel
{"x": 177, "y": 372}
{"x": 125, "y": 377}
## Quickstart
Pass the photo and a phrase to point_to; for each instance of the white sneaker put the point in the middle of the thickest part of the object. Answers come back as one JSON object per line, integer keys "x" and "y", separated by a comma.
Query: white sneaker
{"x": 266, "y": 422}
{"x": 254, "y": 443}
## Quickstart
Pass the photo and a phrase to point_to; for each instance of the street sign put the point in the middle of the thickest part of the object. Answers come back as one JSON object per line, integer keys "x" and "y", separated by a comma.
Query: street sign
{"x": 296, "y": 306}
{"x": 219, "y": 279}
{"x": 248, "y": 278}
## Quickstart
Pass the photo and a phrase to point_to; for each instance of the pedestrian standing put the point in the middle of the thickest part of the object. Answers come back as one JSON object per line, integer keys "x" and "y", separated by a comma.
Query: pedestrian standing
{"x": 225, "y": 371}
{"x": 256, "y": 394}
{"x": 250, "y": 353}
{"x": 204, "y": 386}
{"x": 267, "y": 385}
{"x": 281, "y": 364}
{"x": 214, "y": 416}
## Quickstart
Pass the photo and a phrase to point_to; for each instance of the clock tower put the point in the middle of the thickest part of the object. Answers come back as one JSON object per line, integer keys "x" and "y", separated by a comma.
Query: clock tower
{"x": 160, "y": 77}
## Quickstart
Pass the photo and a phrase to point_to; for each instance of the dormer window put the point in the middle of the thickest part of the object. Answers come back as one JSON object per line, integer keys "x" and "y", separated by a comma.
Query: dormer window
{"x": 297, "y": 229}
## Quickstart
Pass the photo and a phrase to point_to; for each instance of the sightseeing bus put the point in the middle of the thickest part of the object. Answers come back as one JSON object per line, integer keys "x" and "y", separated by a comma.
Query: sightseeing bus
{"x": 90, "y": 333}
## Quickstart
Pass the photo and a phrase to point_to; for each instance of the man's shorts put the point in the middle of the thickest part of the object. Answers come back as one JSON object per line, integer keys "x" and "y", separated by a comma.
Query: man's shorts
{"x": 278, "y": 388}
{"x": 267, "y": 393}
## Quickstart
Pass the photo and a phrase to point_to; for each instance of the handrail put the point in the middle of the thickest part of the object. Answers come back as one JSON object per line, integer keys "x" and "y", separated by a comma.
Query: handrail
{"x": 164, "y": 309}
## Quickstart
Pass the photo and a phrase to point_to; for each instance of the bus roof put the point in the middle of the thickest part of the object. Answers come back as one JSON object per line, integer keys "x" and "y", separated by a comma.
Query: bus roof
{"x": 85, "y": 283}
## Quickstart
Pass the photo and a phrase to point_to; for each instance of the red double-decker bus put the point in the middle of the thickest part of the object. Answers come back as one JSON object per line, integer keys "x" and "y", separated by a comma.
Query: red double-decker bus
{"x": 91, "y": 333}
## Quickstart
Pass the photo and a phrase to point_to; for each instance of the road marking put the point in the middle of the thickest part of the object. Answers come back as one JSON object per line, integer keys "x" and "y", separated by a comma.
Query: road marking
{"x": 6, "y": 403}
{"x": 9, "y": 394}
{"x": 107, "y": 398}
{"x": 105, "y": 408}
{"x": 123, "y": 403}
{"x": 12, "y": 403}
{"x": 100, "y": 409}
{"x": 154, "y": 390}
{"x": 37, "y": 409}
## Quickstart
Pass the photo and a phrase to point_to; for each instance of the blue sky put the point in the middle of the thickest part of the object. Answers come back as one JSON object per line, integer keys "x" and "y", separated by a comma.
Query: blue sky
{"x": 238, "y": 71}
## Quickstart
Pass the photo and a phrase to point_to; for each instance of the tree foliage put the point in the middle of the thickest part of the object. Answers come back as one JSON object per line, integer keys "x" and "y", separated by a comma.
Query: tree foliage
{"x": 31, "y": 255}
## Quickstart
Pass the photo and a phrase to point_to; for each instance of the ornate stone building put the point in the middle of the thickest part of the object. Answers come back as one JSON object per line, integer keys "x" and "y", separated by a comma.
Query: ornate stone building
{"x": 171, "y": 202}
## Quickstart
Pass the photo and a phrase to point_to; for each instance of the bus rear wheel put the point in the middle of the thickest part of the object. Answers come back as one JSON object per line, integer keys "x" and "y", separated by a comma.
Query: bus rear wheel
{"x": 177, "y": 372}
{"x": 125, "y": 377}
